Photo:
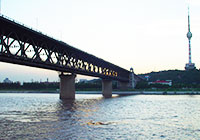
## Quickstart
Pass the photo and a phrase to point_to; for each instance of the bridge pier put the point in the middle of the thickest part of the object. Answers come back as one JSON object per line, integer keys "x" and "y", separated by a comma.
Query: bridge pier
{"x": 107, "y": 88}
{"x": 67, "y": 86}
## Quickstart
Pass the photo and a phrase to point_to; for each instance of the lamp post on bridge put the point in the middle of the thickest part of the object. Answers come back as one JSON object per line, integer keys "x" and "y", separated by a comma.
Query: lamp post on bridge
{"x": 131, "y": 78}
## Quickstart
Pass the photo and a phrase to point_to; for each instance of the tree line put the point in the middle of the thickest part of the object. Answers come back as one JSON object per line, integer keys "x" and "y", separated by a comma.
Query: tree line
{"x": 95, "y": 84}
{"x": 180, "y": 79}
{"x": 29, "y": 86}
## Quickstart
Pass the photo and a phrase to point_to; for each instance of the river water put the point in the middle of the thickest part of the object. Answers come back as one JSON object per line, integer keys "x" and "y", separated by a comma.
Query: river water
{"x": 91, "y": 117}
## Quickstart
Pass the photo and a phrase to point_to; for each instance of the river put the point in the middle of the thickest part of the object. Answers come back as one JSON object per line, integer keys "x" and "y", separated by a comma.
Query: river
{"x": 91, "y": 117}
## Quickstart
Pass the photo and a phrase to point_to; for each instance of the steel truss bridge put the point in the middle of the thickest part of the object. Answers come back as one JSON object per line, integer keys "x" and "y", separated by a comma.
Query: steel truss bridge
{"x": 22, "y": 45}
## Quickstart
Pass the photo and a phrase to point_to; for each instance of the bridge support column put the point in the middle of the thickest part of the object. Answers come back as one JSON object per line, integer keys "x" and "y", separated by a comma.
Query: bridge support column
{"x": 67, "y": 86}
{"x": 107, "y": 88}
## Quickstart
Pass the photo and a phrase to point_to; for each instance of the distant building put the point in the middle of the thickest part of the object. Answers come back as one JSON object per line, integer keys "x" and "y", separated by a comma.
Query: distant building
{"x": 7, "y": 81}
{"x": 83, "y": 80}
{"x": 162, "y": 82}
{"x": 147, "y": 77}
{"x": 18, "y": 82}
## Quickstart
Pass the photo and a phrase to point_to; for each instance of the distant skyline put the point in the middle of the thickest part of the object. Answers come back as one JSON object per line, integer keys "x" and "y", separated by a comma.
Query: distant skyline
{"x": 146, "y": 35}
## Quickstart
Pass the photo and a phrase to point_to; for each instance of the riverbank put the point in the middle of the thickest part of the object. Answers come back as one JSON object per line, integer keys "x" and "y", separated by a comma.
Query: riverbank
{"x": 157, "y": 92}
{"x": 114, "y": 92}
{"x": 144, "y": 92}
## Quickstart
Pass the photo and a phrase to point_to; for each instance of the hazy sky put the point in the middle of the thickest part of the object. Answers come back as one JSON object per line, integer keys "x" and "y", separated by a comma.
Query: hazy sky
{"x": 148, "y": 35}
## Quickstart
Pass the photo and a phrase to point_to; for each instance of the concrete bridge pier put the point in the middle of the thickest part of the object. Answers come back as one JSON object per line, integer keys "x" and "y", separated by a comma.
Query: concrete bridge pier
{"x": 67, "y": 86}
{"x": 107, "y": 88}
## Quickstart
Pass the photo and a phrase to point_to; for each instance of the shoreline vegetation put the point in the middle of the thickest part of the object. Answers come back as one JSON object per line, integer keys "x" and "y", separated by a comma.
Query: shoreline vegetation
{"x": 183, "y": 82}
{"x": 118, "y": 92}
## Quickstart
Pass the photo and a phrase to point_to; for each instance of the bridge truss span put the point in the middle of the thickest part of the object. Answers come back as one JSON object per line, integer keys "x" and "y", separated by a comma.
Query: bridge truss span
{"x": 24, "y": 46}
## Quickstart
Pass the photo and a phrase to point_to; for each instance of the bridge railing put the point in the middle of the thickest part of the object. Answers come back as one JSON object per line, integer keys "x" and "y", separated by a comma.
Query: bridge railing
{"x": 29, "y": 27}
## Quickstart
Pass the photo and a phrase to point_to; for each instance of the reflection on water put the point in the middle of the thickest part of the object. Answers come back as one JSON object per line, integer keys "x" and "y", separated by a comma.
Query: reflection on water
{"x": 44, "y": 116}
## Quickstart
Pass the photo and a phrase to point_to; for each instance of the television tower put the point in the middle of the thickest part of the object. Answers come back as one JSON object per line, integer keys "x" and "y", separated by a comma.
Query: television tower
{"x": 189, "y": 65}
{"x": 0, "y": 7}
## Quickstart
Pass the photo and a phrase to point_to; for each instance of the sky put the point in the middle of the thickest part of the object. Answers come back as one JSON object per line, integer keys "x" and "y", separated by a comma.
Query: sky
{"x": 148, "y": 35}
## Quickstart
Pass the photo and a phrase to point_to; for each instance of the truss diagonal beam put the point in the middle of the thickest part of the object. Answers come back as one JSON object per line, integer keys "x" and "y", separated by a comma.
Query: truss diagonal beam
{"x": 38, "y": 50}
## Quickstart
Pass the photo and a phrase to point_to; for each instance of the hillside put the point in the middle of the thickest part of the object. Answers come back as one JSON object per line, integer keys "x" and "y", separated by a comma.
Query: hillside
{"x": 177, "y": 76}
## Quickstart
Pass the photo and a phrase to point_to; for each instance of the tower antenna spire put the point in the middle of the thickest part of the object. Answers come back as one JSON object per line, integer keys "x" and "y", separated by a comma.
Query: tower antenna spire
{"x": 189, "y": 65}
{"x": 0, "y": 7}
{"x": 188, "y": 18}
